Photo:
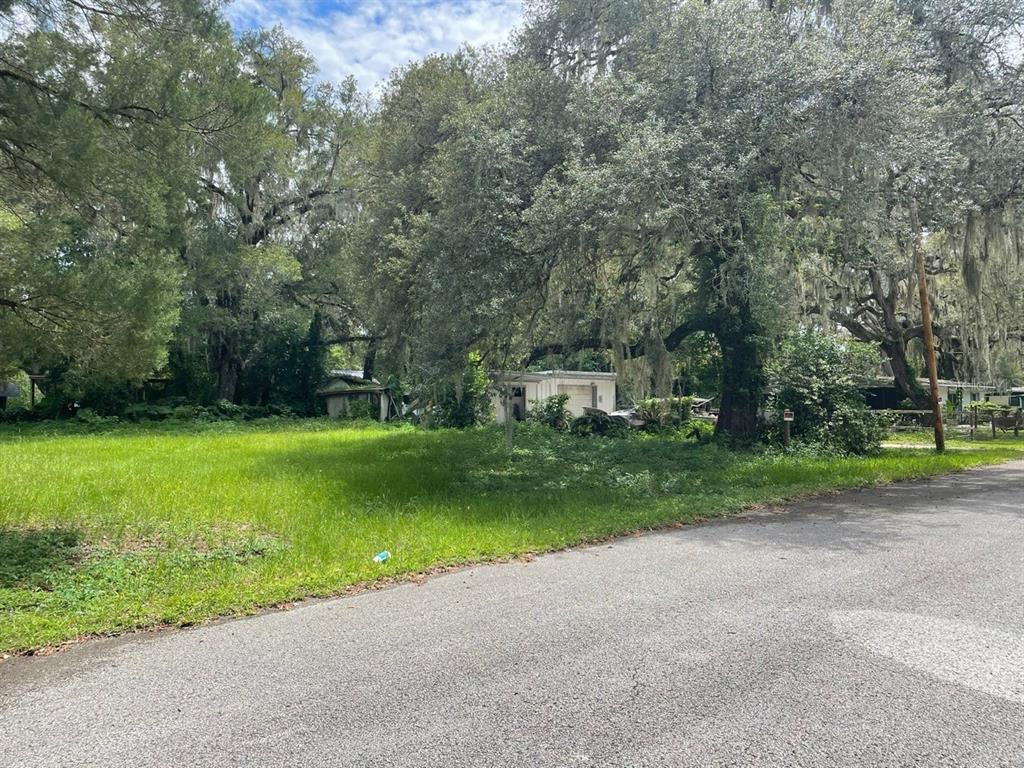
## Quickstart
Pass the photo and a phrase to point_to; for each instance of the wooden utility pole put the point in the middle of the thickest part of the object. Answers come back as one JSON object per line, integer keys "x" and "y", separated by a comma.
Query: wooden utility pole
{"x": 926, "y": 322}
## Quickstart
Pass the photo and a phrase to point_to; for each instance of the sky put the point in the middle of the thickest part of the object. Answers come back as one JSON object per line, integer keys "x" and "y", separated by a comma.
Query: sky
{"x": 369, "y": 38}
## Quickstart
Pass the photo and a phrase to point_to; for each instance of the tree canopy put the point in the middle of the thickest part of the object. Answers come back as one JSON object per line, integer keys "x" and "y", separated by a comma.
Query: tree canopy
{"x": 666, "y": 188}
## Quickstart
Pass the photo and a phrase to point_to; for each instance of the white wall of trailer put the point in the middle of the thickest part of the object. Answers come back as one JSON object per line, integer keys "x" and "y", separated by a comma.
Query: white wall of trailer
{"x": 585, "y": 390}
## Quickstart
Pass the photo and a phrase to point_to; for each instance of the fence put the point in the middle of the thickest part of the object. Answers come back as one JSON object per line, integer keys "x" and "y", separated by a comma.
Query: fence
{"x": 1004, "y": 420}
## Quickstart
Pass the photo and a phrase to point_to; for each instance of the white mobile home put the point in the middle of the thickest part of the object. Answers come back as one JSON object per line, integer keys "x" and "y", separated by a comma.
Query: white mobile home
{"x": 586, "y": 389}
{"x": 962, "y": 392}
{"x": 884, "y": 394}
{"x": 1013, "y": 398}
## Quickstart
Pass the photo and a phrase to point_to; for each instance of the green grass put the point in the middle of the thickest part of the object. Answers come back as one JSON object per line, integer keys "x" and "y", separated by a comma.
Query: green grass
{"x": 958, "y": 438}
{"x": 140, "y": 526}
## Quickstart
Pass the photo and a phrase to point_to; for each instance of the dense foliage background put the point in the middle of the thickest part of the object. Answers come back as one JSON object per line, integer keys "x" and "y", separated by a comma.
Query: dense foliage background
{"x": 669, "y": 188}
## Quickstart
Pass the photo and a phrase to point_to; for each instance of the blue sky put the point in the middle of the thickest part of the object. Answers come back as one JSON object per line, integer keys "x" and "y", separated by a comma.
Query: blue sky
{"x": 368, "y": 38}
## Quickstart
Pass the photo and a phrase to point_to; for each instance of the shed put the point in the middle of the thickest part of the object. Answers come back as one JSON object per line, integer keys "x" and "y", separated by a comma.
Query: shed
{"x": 344, "y": 387}
{"x": 586, "y": 389}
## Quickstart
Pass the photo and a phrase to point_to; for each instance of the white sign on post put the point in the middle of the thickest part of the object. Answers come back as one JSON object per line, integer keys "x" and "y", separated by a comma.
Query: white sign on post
{"x": 787, "y": 415}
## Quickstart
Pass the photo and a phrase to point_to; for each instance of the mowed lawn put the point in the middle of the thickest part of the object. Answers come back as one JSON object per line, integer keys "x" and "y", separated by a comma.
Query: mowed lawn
{"x": 140, "y": 526}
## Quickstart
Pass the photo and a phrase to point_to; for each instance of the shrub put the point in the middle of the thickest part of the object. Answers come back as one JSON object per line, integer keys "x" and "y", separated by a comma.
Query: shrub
{"x": 362, "y": 409}
{"x": 664, "y": 413}
{"x": 164, "y": 410}
{"x": 145, "y": 412}
{"x": 228, "y": 411}
{"x": 599, "y": 425}
{"x": 184, "y": 412}
{"x": 551, "y": 412}
{"x": 90, "y": 418}
{"x": 700, "y": 430}
{"x": 220, "y": 411}
{"x": 819, "y": 376}
{"x": 225, "y": 409}
{"x": 281, "y": 411}
{"x": 854, "y": 430}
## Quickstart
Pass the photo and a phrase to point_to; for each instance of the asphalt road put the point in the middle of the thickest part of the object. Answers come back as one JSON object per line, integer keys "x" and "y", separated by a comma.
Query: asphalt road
{"x": 874, "y": 628}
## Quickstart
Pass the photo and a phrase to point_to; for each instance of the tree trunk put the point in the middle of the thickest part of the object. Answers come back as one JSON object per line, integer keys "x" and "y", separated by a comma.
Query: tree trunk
{"x": 906, "y": 384}
{"x": 370, "y": 359}
{"x": 886, "y": 328}
{"x": 228, "y": 371}
{"x": 227, "y": 355}
{"x": 730, "y": 319}
{"x": 742, "y": 386}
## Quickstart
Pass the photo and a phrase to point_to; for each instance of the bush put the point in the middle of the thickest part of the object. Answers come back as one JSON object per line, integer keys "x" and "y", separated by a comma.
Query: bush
{"x": 225, "y": 409}
{"x": 664, "y": 413}
{"x": 145, "y": 412}
{"x": 599, "y": 425}
{"x": 184, "y": 412}
{"x": 700, "y": 430}
{"x": 90, "y": 418}
{"x": 281, "y": 411}
{"x": 18, "y": 415}
{"x": 169, "y": 409}
{"x": 362, "y": 409}
{"x": 220, "y": 411}
{"x": 819, "y": 377}
{"x": 854, "y": 430}
{"x": 551, "y": 412}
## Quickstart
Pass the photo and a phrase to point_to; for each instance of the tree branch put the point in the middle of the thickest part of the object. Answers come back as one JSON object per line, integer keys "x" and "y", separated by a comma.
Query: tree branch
{"x": 635, "y": 349}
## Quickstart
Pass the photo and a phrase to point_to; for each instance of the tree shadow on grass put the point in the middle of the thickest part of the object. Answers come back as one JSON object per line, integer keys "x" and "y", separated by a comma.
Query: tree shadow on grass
{"x": 392, "y": 472}
{"x": 471, "y": 475}
{"x": 29, "y": 557}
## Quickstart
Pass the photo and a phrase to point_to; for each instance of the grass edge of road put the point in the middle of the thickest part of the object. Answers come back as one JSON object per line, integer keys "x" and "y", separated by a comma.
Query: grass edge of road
{"x": 760, "y": 481}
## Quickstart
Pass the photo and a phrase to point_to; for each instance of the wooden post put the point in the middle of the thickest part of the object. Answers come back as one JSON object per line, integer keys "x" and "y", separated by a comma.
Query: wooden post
{"x": 993, "y": 423}
{"x": 926, "y": 323}
{"x": 785, "y": 433}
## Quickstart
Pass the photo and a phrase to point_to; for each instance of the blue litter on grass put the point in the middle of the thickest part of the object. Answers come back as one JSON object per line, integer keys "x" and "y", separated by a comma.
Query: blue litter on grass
{"x": 380, "y": 557}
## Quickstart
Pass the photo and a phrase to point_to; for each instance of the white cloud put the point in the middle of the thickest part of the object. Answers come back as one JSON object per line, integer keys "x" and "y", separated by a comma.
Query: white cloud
{"x": 369, "y": 38}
